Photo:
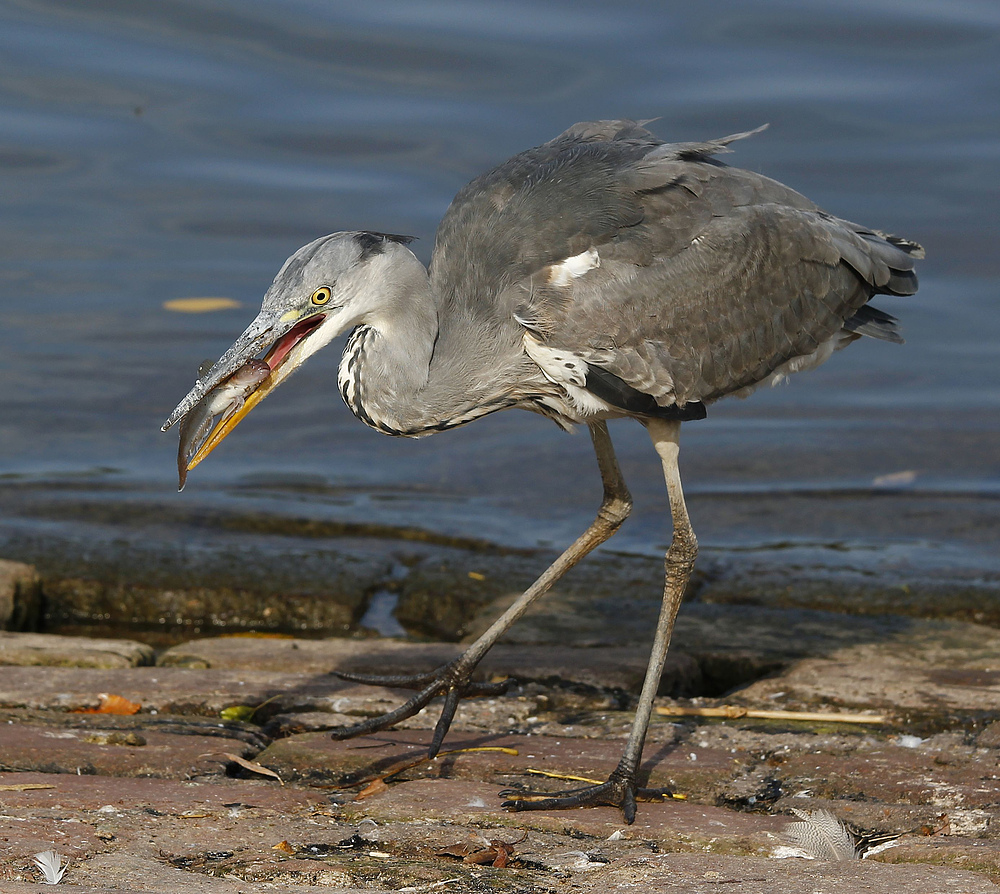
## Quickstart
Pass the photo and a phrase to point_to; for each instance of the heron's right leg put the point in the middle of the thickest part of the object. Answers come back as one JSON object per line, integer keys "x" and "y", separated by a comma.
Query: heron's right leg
{"x": 453, "y": 680}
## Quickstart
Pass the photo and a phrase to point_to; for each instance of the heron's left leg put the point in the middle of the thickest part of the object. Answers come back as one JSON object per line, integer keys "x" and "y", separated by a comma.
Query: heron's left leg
{"x": 620, "y": 790}
{"x": 453, "y": 681}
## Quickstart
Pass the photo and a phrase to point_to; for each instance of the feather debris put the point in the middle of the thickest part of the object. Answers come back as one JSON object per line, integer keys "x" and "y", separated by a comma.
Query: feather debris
{"x": 821, "y": 836}
{"x": 51, "y": 866}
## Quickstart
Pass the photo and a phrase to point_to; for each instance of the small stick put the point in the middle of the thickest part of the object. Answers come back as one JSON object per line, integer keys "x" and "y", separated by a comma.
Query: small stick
{"x": 735, "y": 712}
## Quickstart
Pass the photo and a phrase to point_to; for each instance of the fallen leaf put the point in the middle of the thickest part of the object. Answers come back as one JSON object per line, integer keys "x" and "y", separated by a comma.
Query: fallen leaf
{"x": 374, "y": 787}
{"x": 111, "y": 704}
{"x": 200, "y": 305}
{"x": 482, "y": 851}
{"x": 237, "y": 712}
{"x": 244, "y": 712}
{"x": 475, "y": 575}
{"x": 284, "y": 847}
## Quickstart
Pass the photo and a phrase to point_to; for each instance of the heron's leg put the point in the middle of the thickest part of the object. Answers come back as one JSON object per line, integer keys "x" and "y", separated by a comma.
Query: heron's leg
{"x": 453, "y": 680}
{"x": 620, "y": 789}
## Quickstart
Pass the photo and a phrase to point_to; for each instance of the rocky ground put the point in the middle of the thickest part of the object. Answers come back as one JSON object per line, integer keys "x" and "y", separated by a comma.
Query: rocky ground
{"x": 225, "y": 779}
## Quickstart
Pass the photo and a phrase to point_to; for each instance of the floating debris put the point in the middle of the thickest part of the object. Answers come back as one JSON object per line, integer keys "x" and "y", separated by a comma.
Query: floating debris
{"x": 200, "y": 305}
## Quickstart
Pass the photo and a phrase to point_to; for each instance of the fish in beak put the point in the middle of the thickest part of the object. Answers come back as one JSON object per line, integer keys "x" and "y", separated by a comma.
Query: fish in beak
{"x": 237, "y": 383}
{"x": 225, "y": 399}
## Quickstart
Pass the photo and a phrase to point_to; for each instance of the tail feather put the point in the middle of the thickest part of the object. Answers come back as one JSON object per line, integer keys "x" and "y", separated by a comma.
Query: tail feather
{"x": 871, "y": 321}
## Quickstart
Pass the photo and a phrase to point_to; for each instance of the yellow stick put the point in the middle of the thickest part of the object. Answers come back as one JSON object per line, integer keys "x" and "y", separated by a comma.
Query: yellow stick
{"x": 736, "y": 712}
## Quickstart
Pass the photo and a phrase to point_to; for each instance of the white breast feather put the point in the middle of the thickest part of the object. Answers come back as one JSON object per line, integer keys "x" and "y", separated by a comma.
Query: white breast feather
{"x": 564, "y": 273}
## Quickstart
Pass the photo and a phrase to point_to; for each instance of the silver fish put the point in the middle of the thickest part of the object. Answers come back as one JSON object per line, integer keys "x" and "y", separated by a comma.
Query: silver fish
{"x": 223, "y": 400}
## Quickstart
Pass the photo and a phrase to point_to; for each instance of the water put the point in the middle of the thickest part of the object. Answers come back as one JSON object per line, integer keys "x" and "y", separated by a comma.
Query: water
{"x": 185, "y": 148}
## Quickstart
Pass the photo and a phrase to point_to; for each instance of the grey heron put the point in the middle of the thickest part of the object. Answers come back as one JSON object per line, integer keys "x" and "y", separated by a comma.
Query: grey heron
{"x": 603, "y": 274}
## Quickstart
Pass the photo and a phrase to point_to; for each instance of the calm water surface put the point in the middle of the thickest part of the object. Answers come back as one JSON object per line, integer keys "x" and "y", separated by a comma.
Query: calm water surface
{"x": 184, "y": 148}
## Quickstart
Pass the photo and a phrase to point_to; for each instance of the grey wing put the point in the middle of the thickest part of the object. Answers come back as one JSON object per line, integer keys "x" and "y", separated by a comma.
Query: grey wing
{"x": 728, "y": 279}
{"x": 661, "y": 272}
{"x": 536, "y": 209}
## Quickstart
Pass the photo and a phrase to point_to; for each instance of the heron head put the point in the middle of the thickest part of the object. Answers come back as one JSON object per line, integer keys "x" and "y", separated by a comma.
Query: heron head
{"x": 321, "y": 291}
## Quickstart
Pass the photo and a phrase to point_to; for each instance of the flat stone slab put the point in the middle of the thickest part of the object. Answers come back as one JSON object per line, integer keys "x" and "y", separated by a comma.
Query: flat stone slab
{"x": 716, "y": 648}
{"x": 951, "y": 667}
{"x": 115, "y": 752}
{"x": 599, "y": 667}
{"x": 502, "y": 759}
{"x": 225, "y": 836}
{"x": 944, "y": 774}
{"x": 30, "y": 649}
{"x": 166, "y": 814}
{"x": 174, "y": 690}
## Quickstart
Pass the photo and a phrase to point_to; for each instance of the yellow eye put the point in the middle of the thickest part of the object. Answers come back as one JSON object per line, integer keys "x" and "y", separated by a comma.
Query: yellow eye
{"x": 321, "y": 295}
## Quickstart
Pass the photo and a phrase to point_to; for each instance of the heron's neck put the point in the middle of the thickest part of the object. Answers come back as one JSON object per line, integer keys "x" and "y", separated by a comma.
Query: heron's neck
{"x": 404, "y": 373}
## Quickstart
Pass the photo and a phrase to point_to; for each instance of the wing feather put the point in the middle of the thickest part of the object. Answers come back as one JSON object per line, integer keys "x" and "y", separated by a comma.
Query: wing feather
{"x": 710, "y": 278}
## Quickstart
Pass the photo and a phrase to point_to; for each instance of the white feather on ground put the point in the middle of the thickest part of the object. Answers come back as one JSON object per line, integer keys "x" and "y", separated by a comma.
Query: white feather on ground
{"x": 51, "y": 865}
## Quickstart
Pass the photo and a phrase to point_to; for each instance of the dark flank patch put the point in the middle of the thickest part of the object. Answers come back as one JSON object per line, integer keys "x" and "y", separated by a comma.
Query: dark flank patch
{"x": 618, "y": 393}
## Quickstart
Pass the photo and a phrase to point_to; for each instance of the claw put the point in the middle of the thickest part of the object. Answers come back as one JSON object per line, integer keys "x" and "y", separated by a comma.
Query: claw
{"x": 619, "y": 791}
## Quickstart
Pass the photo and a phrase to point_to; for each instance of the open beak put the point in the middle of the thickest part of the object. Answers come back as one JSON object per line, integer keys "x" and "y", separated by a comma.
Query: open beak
{"x": 282, "y": 358}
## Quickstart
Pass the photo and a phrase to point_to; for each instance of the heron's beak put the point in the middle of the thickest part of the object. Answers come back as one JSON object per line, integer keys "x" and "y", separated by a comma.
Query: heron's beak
{"x": 285, "y": 354}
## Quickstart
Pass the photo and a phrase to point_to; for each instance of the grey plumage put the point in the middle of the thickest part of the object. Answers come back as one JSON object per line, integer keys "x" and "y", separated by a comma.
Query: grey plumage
{"x": 603, "y": 274}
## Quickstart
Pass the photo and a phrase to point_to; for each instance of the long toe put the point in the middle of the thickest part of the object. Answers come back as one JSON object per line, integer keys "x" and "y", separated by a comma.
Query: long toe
{"x": 616, "y": 792}
{"x": 449, "y": 680}
{"x": 393, "y": 681}
{"x": 448, "y": 677}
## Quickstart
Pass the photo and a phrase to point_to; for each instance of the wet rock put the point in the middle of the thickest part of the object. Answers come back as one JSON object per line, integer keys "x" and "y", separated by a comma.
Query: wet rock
{"x": 990, "y": 737}
{"x": 20, "y": 596}
{"x": 459, "y": 595}
{"x": 70, "y": 651}
{"x": 440, "y": 598}
{"x": 81, "y": 603}
{"x": 159, "y": 589}
{"x": 834, "y": 579}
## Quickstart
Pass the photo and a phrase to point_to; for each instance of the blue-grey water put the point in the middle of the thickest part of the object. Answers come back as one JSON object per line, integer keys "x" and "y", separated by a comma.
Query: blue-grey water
{"x": 183, "y": 148}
